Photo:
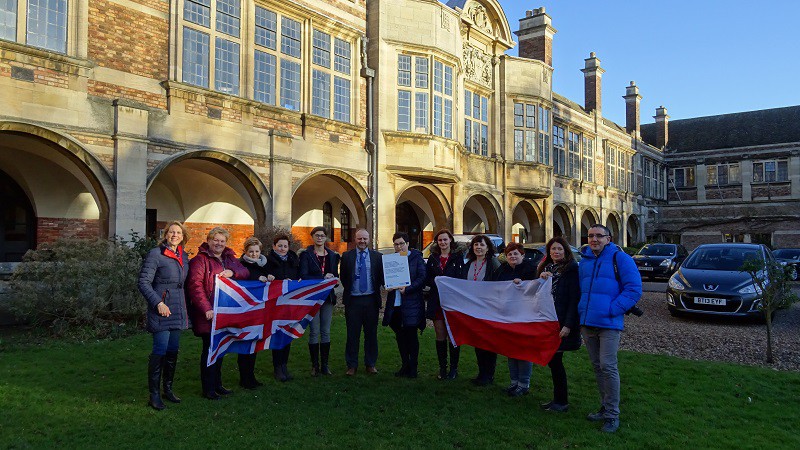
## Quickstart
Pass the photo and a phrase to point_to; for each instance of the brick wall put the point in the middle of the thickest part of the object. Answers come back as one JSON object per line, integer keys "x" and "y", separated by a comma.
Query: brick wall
{"x": 714, "y": 193}
{"x": 772, "y": 190}
{"x": 687, "y": 194}
{"x": 198, "y": 231}
{"x": 540, "y": 48}
{"x": 303, "y": 234}
{"x": 48, "y": 229}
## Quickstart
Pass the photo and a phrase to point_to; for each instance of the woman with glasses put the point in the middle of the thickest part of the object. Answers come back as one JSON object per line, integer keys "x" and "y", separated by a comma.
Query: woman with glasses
{"x": 213, "y": 258}
{"x": 318, "y": 262}
{"x": 560, "y": 265}
{"x": 405, "y": 309}
{"x": 446, "y": 261}
{"x": 481, "y": 266}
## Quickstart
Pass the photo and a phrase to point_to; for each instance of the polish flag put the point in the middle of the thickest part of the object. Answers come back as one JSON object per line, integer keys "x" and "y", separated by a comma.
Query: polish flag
{"x": 518, "y": 321}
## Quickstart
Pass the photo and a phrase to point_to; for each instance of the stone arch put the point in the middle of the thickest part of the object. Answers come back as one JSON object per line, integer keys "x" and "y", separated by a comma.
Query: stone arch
{"x": 421, "y": 210}
{"x": 207, "y": 188}
{"x": 588, "y": 218}
{"x": 69, "y": 190}
{"x": 633, "y": 230}
{"x": 613, "y": 223}
{"x": 527, "y": 216}
{"x": 563, "y": 222}
{"x": 336, "y": 188}
{"x": 481, "y": 214}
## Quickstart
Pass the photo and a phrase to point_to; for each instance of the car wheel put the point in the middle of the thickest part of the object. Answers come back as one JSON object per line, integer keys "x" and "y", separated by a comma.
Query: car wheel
{"x": 793, "y": 273}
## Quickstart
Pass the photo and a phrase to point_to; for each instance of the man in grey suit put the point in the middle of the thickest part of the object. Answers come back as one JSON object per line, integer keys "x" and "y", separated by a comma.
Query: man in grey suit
{"x": 361, "y": 275}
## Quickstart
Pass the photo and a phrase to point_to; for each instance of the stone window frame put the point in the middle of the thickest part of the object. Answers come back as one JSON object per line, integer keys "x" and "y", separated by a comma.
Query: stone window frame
{"x": 559, "y": 149}
{"x": 574, "y": 153}
{"x": 77, "y": 30}
{"x": 327, "y": 69}
{"x": 587, "y": 154}
{"x": 308, "y": 20}
{"x": 714, "y": 171}
{"x": 525, "y": 131}
{"x": 545, "y": 140}
{"x": 687, "y": 173}
{"x": 760, "y": 168}
{"x": 479, "y": 125}
{"x": 421, "y": 90}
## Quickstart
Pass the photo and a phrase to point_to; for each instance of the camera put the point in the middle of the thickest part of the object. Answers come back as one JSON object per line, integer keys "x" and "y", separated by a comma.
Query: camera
{"x": 635, "y": 310}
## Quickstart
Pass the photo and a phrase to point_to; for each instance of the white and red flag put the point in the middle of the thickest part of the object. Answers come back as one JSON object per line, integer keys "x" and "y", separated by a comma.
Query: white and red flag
{"x": 518, "y": 321}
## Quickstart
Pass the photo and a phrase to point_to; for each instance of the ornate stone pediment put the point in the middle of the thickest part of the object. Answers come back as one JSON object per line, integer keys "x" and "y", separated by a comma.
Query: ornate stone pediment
{"x": 477, "y": 14}
{"x": 477, "y": 65}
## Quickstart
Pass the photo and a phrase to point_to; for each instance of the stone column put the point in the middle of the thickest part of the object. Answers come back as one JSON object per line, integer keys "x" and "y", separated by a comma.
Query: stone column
{"x": 547, "y": 212}
{"x": 280, "y": 178}
{"x": 746, "y": 171}
{"x": 700, "y": 179}
{"x": 128, "y": 210}
{"x": 794, "y": 174}
{"x": 576, "y": 226}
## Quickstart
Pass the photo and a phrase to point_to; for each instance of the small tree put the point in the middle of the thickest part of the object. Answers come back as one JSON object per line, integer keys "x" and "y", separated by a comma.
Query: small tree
{"x": 772, "y": 280}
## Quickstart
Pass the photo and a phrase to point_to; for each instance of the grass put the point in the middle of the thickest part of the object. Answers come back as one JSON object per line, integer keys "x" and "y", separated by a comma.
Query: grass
{"x": 93, "y": 395}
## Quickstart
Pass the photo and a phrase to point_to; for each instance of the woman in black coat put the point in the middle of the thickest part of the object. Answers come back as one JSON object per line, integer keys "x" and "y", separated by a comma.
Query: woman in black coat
{"x": 560, "y": 264}
{"x": 405, "y": 309}
{"x": 516, "y": 269}
{"x": 444, "y": 260}
{"x": 161, "y": 281}
{"x": 482, "y": 266}
{"x": 318, "y": 262}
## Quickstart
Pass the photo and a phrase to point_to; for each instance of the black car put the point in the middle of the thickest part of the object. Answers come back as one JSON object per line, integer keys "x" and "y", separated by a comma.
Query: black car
{"x": 710, "y": 281}
{"x": 789, "y": 257}
{"x": 659, "y": 260}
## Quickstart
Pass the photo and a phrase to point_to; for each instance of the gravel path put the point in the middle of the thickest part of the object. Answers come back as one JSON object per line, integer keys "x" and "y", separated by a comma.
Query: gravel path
{"x": 713, "y": 339}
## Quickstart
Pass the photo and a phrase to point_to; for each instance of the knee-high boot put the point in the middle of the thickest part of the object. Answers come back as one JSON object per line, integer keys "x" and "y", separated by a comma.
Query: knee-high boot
{"x": 170, "y": 362}
{"x": 455, "y": 355}
{"x": 313, "y": 349}
{"x": 441, "y": 353}
{"x": 324, "y": 353}
{"x": 154, "y": 381}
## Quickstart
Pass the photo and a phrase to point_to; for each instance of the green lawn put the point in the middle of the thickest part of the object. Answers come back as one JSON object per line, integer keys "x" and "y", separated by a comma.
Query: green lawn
{"x": 94, "y": 395}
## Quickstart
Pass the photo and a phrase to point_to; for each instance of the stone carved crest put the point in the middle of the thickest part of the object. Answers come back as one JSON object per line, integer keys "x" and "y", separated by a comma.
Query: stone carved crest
{"x": 445, "y": 21}
{"x": 478, "y": 16}
{"x": 477, "y": 65}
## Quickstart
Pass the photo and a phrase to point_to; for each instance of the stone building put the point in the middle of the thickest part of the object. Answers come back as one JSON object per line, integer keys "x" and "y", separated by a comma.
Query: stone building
{"x": 733, "y": 177}
{"x": 120, "y": 115}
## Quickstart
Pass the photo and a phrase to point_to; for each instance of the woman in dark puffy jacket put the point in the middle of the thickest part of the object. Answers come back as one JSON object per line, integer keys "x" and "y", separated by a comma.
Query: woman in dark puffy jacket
{"x": 319, "y": 262}
{"x": 213, "y": 258}
{"x": 405, "y": 309}
{"x": 516, "y": 269}
{"x": 279, "y": 264}
{"x": 560, "y": 264}
{"x": 444, "y": 260}
{"x": 161, "y": 281}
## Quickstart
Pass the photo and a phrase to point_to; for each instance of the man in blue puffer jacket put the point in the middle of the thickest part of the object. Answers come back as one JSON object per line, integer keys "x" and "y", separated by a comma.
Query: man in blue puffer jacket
{"x": 610, "y": 286}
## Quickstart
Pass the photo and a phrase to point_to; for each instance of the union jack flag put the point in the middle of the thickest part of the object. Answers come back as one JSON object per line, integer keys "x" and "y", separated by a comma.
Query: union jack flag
{"x": 250, "y": 316}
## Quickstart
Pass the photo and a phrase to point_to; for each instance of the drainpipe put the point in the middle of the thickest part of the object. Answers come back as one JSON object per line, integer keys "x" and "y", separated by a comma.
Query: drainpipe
{"x": 371, "y": 146}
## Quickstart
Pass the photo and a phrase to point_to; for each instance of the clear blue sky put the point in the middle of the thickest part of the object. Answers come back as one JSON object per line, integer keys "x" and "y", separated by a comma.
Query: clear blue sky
{"x": 697, "y": 58}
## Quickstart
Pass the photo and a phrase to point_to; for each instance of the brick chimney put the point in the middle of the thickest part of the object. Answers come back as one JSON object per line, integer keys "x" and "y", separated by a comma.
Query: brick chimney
{"x": 632, "y": 99}
{"x": 592, "y": 79}
{"x": 662, "y": 127}
{"x": 536, "y": 36}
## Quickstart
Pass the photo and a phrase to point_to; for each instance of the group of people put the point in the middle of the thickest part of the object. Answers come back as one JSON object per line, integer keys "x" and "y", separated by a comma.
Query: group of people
{"x": 590, "y": 300}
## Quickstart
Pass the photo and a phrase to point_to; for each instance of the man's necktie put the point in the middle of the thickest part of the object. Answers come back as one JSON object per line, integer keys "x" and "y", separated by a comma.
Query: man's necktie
{"x": 362, "y": 272}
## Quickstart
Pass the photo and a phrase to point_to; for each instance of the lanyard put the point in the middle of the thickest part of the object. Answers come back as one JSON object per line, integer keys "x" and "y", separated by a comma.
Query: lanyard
{"x": 477, "y": 269}
{"x": 322, "y": 262}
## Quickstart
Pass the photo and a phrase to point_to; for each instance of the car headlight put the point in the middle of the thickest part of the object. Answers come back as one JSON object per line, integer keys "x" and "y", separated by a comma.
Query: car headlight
{"x": 751, "y": 289}
{"x": 664, "y": 263}
{"x": 675, "y": 284}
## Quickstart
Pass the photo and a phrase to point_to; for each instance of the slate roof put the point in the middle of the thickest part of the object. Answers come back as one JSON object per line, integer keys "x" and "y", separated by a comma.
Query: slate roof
{"x": 751, "y": 128}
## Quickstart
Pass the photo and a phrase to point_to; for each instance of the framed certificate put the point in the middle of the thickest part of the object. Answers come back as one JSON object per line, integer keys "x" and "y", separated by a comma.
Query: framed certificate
{"x": 395, "y": 270}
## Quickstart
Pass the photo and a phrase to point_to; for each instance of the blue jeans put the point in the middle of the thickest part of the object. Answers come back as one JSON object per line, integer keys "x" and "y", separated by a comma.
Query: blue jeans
{"x": 320, "y": 329}
{"x": 520, "y": 372}
{"x": 166, "y": 342}
{"x": 602, "y": 345}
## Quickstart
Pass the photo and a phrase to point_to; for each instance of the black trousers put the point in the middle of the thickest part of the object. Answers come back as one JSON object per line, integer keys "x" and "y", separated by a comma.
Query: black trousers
{"x": 280, "y": 357}
{"x": 210, "y": 376}
{"x": 361, "y": 312}
{"x": 559, "y": 373}
{"x": 487, "y": 362}
{"x": 407, "y": 341}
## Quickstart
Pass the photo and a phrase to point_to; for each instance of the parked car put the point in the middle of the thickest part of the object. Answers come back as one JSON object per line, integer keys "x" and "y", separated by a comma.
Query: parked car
{"x": 659, "y": 260}
{"x": 710, "y": 281}
{"x": 534, "y": 252}
{"x": 789, "y": 257}
{"x": 463, "y": 242}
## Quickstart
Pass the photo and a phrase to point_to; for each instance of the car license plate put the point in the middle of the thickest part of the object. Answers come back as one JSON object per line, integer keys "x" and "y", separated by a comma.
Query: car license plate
{"x": 710, "y": 301}
{"x": 645, "y": 268}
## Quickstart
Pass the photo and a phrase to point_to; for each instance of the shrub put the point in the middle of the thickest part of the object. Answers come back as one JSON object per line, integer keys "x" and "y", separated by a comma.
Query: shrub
{"x": 267, "y": 233}
{"x": 81, "y": 288}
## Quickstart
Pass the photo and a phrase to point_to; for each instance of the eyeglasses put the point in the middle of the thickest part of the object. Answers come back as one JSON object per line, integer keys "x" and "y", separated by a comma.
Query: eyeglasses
{"x": 399, "y": 244}
{"x": 598, "y": 236}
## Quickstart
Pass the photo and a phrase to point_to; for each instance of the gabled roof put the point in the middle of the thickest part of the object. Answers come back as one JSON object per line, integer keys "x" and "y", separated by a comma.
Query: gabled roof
{"x": 745, "y": 129}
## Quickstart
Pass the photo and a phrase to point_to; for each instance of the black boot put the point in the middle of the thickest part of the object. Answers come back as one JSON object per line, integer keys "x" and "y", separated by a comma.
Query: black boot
{"x": 324, "y": 353}
{"x": 170, "y": 362}
{"x": 247, "y": 371}
{"x": 313, "y": 349}
{"x": 154, "y": 381}
{"x": 455, "y": 355}
{"x": 441, "y": 353}
{"x": 218, "y": 387}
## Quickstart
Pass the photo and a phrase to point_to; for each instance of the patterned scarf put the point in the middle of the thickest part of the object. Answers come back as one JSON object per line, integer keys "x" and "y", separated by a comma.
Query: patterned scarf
{"x": 557, "y": 269}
